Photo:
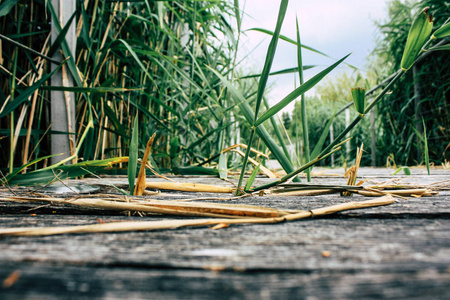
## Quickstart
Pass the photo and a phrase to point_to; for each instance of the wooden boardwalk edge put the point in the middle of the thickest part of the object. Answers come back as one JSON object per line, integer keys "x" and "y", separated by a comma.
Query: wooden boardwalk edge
{"x": 390, "y": 252}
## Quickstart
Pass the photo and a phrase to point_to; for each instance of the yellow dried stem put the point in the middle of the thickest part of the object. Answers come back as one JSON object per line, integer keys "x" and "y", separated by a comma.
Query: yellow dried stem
{"x": 353, "y": 171}
{"x": 189, "y": 187}
{"x": 305, "y": 193}
{"x": 405, "y": 193}
{"x": 174, "y": 224}
{"x": 139, "y": 188}
{"x": 245, "y": 147}
{"x": 166, "y": 207}
{"x": 263, "y": 169}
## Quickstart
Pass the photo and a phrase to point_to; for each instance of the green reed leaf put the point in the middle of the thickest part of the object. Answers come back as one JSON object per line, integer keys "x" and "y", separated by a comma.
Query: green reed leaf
{"x": 270, "y": 56}
{"x": 442, "y": 32}
{"x": 252, "y": 178}
{"x": 280, "y": 72}
{"x": 6, "y": 7}
{"x": 297, "y": 92}
{"x": 133, "y": 155}
{"x": 359, "y": 95}
{"x": 418, "y": 34}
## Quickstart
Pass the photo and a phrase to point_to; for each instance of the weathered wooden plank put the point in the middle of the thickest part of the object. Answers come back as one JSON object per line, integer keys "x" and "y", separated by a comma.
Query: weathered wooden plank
{"x": 41, "y": 281}
{"x": 354, "y": 243}
{"x": 397, "y": 251}
{"x": 435, "y": 206}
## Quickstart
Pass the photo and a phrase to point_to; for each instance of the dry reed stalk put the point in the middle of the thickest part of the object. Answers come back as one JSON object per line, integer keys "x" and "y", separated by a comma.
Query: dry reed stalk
{"x": 314, "y": 192}
{"x": 385, "y": 200}
{"x": 353, "y": 171}
{"x": 404, "y": 193}
{"x": 165, "y": 207}
{"x": 435, "y": 186}
{"x": 189, "y": 187}
{"x": 140, "y": 182}
{"x": 367, "y": 191}
{"x": 174, "y": 224}
{"x": 40, "y": 63}
{"x": 263, "y": 169}
{"x": 149, "y": 166}
{"x": 245, "y": 147}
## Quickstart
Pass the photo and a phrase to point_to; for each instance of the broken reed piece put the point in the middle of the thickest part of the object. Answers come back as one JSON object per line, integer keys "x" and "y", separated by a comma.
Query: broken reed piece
{"x": 174, "y": 224}
{"x": 263, "y": 169}
{"x": 304, "y": 192}
{"x": 178, "y": 208}
{"x": 139, "y": 188}
{"x": 302, "y": 189}
{"x": 366, "y": 191}
{"x": 404, "y": 193}
{"x": 385, "y": 200}
{"x": 435, "y": 186}
{"x": 353, "y": 171}
{"x": 189, "y": 187}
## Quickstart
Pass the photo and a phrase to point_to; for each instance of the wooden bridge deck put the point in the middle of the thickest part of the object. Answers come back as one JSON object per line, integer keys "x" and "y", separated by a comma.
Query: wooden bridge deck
{"x": 391, "y": 252}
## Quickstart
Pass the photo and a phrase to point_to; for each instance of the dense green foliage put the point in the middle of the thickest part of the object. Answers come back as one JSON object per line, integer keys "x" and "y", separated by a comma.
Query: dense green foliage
{"x": 148, "y": 58}
{"x": 170, "y": 68}
{"x": 401, "y": 112}
{"x": 399, "y": 115}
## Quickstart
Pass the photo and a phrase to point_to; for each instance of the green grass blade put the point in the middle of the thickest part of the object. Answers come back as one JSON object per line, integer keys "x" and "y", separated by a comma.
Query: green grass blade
{"x": 285, "y": 38}
{"x": 292, "y": 174}
{"x": 204, "y": 137}
{"x": 441, "y": 48}
{"x": 60, "y": 172}
{"x": 261, "y": 131}
{"x": 297, "y": 92}
{"x": 136, "y": 58}
{"x": 18, "y": 170}
{"x": 237, "y": 14}
{"x": 65, "y": 47}
{"x": 303, "y": 102}
{"x": 323, "y": 136}
{"x": 146, "y": 112}
{"x": 406, "y": 171}
{"x": 61, "y": 37}
{"x": 275, "y": 127}
{"x": 270, "y": 56}
{"x": 28, "y": 49}
{"x": 133, "y": 155}
{"x": 6, "y": 7}
{"x": 99, "y": 89}
{"x": 23, "y": 97}
{"x": 252, "y": 178}
{"x": 280, "y": 72}
{"x": 425, "y": 141}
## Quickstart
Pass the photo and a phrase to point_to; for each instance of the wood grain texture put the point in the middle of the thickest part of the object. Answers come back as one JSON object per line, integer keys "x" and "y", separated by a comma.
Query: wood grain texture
{"x": 392, "y": 252}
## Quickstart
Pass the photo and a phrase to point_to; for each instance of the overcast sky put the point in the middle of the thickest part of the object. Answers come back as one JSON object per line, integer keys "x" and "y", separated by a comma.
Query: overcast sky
{"x": 335, "y": 27}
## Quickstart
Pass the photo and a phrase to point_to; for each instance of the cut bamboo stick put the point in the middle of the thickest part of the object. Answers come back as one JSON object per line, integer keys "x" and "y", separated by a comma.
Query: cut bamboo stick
{"x": 174, "y": 224}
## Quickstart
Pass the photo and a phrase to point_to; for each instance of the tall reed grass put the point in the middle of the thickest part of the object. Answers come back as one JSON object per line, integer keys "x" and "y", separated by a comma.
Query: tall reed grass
{"x": 145, "y": 67}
